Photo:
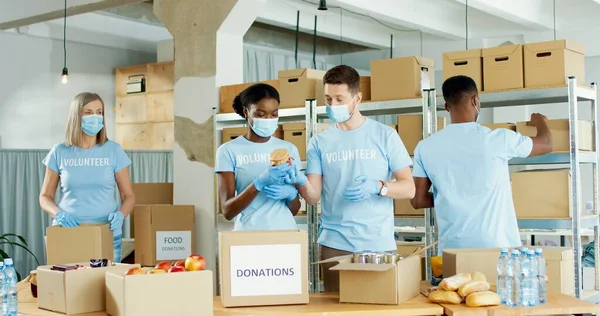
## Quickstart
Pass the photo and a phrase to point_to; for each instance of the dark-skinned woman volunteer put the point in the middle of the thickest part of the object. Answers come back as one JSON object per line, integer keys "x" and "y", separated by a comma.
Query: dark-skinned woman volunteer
{"x": 89, "y": 167}
{"x": 253, "y": 193}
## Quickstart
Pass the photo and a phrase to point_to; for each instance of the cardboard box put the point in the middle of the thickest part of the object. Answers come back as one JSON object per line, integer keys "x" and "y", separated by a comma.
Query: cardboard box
{"x": 559, "y": 265}
{"x": 228, "y": 93}
{"x": 467, "y": 63}
{"x": 164, "y": 233}
{"x": 78, "y": 244}
{"x": 404, "y": 208}
{"x": 560, "y": 134}
{"x": 231, "y": 133}
{"x": 74, "y": 291}
{"x": 503, "y": 67}
{"x": 410, "y": 129}
{"x": 183, "y": 293}
{"x": 365, "y": 89}
{"x": 368, "y": 283}
{"x": 542, "y": 194}
{"x": 263, "y": 267}
{"x": 297, "y": 85}
{"x": 150, "y": 193}
{"x": 494, "y": 126}
{"x": 295, "y": 133}
{"x": 551, "y": 63}
{"x": 408, "y": 248}
{"x": 418, "y": 73}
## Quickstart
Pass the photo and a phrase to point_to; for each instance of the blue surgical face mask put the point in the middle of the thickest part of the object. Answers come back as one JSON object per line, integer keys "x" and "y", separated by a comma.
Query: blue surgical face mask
{"x": 92, "y": 124}
{"x": 339, "y": 113}
{"x": 265, "y": 127}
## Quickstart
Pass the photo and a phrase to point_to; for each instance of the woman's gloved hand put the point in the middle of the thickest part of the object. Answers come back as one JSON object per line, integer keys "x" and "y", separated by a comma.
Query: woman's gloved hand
{"x": 274, "y": 175}
{"x": 281, "y": 192}
{"x": 116, "y": 220}
{"x": 297, "y": 177}
{"x": 366, "y": 188}
{"x": 65, "y": 219}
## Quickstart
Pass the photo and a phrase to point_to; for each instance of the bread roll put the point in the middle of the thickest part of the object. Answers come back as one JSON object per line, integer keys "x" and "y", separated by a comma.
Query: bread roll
{"x": 445, "y": 297}
{"x": 454, "y": 282}
{"x": 478, "y": 276}
{"x": 485, "y": 298}
{"x": 279, "y": 157}
{"x": 472, "y": 287}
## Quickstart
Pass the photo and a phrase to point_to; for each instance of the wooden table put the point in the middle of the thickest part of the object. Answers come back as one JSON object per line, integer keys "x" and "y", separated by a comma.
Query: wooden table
{"x": 324, "y": 304}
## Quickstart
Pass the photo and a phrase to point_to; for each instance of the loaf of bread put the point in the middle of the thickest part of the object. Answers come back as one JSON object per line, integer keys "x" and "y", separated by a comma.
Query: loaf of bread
{"x": 485, "y": 298}
{"x": 454, "y": 282}
{"x": 445, "y": 297}
{"x": 478, "y": 276}
{"x": 472, "y": 287}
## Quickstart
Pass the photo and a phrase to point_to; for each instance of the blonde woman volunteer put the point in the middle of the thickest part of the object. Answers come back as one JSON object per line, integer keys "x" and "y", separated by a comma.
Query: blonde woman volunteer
{"x": 89, "y": 167}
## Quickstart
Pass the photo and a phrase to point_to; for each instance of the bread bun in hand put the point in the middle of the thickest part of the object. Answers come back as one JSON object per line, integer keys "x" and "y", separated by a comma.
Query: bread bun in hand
{"x": 472, "y": 287}
{"x": 445, "y": 297}
{"x": 480, "y": 299}
{"x": 454, "y": 282}
{"x": 280, "y": 156}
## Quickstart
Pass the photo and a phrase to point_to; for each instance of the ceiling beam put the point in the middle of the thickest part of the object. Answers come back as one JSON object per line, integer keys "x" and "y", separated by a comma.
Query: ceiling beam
{"x": 26, "y": 12}
{"x": 533, "y": 14}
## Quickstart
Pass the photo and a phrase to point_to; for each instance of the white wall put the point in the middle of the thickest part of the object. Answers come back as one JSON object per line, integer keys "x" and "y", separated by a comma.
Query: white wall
{"x": 34, "y": 103}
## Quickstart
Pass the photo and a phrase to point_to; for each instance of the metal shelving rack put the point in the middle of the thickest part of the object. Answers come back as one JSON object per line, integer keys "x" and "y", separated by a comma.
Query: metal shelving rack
{"x": 571, "y": 94}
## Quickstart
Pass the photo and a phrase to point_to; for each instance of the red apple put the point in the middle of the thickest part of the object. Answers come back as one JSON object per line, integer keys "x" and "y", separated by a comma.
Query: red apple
{"x": 156, "y": 271}
{"x": 179, "y": 263}
{"x": 174, "y": 269}
{"x": 195, "y": 263}
{"x": 133, "y": 271}
{"x": 163, "y": 265}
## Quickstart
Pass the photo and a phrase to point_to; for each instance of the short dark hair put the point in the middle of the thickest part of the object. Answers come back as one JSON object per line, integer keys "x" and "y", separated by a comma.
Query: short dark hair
{"x": 343, "y": 74}
{"x": 253, "y": 94}
{"x": 456, "y": 88}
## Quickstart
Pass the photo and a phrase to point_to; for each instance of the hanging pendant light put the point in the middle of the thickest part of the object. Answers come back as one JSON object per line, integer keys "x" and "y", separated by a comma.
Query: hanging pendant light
{"x": 65, "y": 72}
{"x": 322, "y": 5}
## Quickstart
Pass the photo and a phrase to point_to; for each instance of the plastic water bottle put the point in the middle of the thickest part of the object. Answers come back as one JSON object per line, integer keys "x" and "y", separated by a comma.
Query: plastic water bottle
{"x": 513, "y": 270}
{"x": 542, "y": 278}
{"x": 523, "y": 254}
{"x": 501, "y": 268}
{"x": 529, "y": 280}
{"x": 3, "y": 297}
{"x": 10, "y": 285}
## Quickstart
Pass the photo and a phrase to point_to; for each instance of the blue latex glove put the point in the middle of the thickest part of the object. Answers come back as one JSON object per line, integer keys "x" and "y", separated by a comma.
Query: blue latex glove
{"x": 116, "y": 220}
{"x": 281, "y": 192}
{"x": 65, "y": 219}
{"x": 297, "y": 177}
{"x": 274, "y": 175}
{"x": 366, "y": 188}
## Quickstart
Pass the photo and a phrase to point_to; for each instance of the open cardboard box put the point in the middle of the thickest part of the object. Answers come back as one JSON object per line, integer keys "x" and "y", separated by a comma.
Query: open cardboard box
{"x": 369, "y": 283}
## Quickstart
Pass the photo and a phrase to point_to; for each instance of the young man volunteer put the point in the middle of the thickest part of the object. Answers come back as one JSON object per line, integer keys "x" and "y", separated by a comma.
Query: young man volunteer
{"x": 350, "y": 167}
{"x": 468, "y": 166}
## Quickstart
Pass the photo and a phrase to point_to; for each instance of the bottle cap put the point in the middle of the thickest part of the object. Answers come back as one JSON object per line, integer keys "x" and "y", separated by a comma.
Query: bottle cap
{"x": 504, "y": 250}
{"x": 515, "y": 252}
{"x": 538, "y": 250}
{"x": 530, "y": 252}
{"x": 523, "y": 249}
{"x": 8, "y": 261}
{"x": 1, "y": 264}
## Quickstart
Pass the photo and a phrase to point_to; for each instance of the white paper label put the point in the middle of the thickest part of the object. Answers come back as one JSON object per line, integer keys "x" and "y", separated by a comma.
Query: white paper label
{"x": 173, "y": 245}
{"x": 425, "y": 82}
{"x": 259, "y": 270}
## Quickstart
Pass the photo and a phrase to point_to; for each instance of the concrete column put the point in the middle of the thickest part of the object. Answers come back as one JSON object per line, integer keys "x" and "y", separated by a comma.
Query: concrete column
{"x": 208, "y": 40}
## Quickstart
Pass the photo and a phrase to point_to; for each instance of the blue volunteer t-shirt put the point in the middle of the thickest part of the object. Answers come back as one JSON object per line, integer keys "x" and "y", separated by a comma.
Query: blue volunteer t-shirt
{"x": 87, "y": 179}
{"x": 373, "y": 150}
{"x": 247, "y": 160}
{"x": 467, "y": 164}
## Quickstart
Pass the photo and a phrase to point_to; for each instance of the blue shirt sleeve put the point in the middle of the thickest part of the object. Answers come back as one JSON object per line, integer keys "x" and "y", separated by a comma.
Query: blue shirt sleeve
{"x": 398, "y": 157}
{"x": 225, "y": 160}
{"x": 313, "y": 158}
{"x": 122, "y": 161}
{"x": 515, "y": 144}
{"x": 51, "y": 159}
{"x": 418, "y": 169}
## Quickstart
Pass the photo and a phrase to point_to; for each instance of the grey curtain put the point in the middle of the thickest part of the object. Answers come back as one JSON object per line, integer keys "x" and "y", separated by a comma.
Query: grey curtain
{"x": 21, "y": 177}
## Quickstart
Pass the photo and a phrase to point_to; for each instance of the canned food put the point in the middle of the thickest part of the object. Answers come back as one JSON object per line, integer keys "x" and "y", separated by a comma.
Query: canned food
{"x": 375, "y": 258}
{"x": 360, "y": 257}
{"x": 391, "y": 258}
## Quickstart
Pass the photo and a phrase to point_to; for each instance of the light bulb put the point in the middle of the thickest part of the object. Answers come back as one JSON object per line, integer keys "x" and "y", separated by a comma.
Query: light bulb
{"x": 65, "y": 75}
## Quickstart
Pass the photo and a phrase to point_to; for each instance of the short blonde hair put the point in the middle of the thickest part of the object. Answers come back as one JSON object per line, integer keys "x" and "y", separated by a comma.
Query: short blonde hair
{"x": 73, "y": 136}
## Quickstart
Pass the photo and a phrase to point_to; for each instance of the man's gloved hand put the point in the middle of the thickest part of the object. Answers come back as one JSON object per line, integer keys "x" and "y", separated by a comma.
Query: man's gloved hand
{"x": 281, "y": 192}
{"x": 274, "y": 175}
{"x": 65, "y": 219}
{"x": 366, "y": 188}
{"x": 116, "y": 220}
{"x": 297, "y": 177}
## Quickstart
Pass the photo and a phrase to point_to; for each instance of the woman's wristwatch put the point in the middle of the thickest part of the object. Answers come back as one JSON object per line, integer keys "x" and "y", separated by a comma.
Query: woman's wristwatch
{"x": 384, "y": 189}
